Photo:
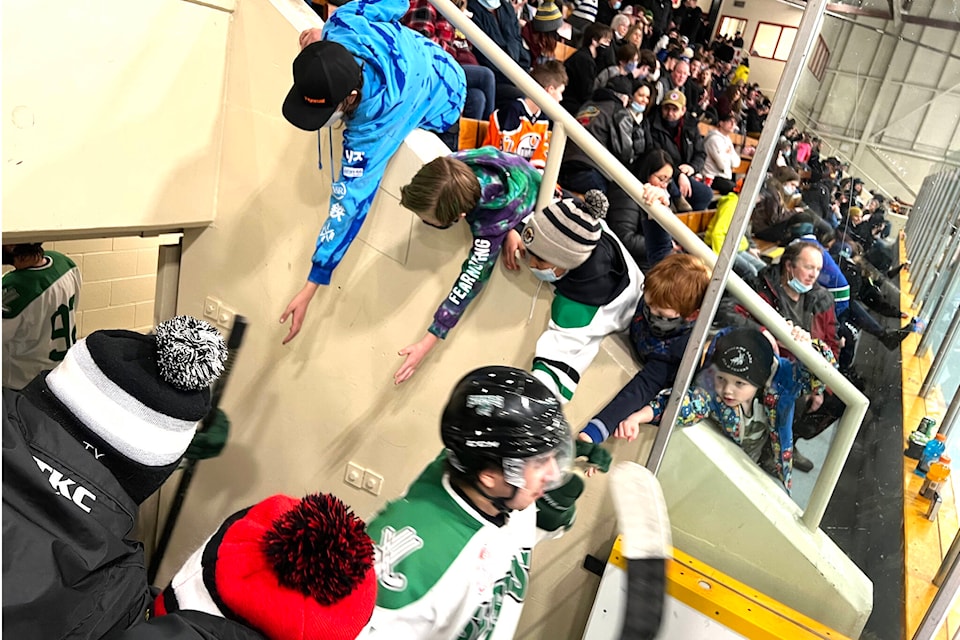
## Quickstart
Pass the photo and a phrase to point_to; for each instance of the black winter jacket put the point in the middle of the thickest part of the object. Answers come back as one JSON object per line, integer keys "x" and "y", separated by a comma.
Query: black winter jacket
{"x": 70, "y": 567}
{"x": 691, "y": 149}
{"x": 624, "y": 217}
{"x": 190, "y": 625}
{"x": 614, "y": 127}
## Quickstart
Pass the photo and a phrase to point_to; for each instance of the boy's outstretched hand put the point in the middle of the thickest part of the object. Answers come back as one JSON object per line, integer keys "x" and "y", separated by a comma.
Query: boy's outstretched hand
{"x": 629, "y": 428}
{"x": 297, "y": 310}
{"x": 415, "y": 353}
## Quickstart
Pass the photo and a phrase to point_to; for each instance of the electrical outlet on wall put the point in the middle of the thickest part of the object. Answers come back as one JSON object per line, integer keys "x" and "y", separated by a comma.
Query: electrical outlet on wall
{"x": 211, "y": 308}
{"x": 225, "y": 316}
{"x": 372, "y": 482}
{"x": 354, "y": 475}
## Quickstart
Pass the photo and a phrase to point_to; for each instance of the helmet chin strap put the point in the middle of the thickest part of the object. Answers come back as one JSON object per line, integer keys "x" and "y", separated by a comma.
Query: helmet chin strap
{"x": 500, "y": 503}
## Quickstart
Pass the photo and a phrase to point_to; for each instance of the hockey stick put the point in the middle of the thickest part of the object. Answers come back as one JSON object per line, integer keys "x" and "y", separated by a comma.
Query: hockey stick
{"x": 233, "y": 347}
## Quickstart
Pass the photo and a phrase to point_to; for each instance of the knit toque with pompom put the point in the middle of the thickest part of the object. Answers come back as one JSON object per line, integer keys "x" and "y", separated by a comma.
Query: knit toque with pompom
{"x": 290, "y": 569}
{"x": 565, "y": 233}
{"x": 137, "y": 398}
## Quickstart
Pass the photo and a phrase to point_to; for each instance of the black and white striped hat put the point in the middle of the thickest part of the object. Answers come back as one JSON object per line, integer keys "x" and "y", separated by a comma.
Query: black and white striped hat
{"x": 141, "y": 396}
{"x": 565, "y": 233}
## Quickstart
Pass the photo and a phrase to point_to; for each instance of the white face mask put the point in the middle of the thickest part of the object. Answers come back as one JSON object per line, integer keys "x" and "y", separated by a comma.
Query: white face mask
{"x": 490, "y": 4}
{"x": 335, "y": 117}
{"x": 655, "y": 75}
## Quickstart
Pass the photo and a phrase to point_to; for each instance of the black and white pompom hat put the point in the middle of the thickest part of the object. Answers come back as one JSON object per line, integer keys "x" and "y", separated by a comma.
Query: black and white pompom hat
{"x": 142, "y": 395}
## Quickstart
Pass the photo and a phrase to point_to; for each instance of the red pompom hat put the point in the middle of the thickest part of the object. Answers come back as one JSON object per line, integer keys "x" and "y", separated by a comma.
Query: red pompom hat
{"x": 290, "y": 569}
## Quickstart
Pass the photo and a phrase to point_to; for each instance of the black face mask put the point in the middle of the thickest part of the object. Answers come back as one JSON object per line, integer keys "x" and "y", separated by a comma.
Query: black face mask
{"x": 661, "y": 327}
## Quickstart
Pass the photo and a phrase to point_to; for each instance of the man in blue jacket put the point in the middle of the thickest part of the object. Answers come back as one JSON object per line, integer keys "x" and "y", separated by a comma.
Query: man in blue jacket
{"x": 382, "y": 80}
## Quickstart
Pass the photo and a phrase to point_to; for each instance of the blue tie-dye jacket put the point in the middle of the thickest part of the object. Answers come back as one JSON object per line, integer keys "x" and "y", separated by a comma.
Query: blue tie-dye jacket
{"x": 408, "y": 83}
{"x": 508, "y": 193}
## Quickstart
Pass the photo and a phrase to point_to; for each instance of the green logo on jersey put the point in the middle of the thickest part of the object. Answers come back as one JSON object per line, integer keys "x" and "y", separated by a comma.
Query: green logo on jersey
{"x": 60, "y": 329}
{"x": 512, "y": 585}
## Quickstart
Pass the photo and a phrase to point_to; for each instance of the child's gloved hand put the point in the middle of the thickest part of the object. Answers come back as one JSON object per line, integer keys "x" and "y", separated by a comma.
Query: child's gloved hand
{"x": 598, "y": 457}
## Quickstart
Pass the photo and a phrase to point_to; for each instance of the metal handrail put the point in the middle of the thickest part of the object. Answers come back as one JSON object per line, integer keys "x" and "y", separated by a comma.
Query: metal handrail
{"x": 855, "y": 401}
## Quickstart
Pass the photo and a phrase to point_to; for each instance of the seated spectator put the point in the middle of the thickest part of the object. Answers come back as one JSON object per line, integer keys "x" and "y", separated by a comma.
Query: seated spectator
{"x": 310, "y": 559}
{"x": 680, "y": 137}
{"x": 747, "y": 263}
{"x": 521, "y": 127}
{"x": 582, "y": 66}
{"x": 481, "y": 83}
{"x": 635, "y": 36}
{"x": 672, "y": 294}
{"x": 722, "y": 156}
{"x": 643, "y": 236}
{"x": 83, "y": 446}
{"x": 499, "y": 21}
{"x": 741, "y": 75}
{"x": 40, "y": 299}
{"x": 620, "y": 25}
{"x": 615, "y": 117}
{"x": 748, "y": 390}
{"x": 584, "y": 14}
{"x": 628, "y": 56}
{"x": 596, "y": 287}
{"x": 540, "y": 34}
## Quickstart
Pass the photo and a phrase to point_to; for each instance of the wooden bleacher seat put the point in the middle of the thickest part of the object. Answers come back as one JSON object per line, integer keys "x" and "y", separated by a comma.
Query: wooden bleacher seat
{"x": 472, "y": 133}
{"x": 563, "y": 51}
{"x": 697, "y": 221}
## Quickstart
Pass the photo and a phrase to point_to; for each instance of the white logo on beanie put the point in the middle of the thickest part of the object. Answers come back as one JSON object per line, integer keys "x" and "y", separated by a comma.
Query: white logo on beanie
{"x": 737, "y": 359}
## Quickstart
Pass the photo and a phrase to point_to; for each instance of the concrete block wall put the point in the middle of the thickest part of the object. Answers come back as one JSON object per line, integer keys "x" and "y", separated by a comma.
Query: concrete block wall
{"x": 119, "y": 280}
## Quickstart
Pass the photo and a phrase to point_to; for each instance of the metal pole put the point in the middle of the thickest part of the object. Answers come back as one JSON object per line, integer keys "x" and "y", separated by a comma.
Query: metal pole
{"x": 941, "y": 605}
{"x": 950, "y": 418}
{"x": 948, "y": 561}
{"x": 910, "y": 229}
{"x": 558, "y": 141}
{"x": 806, "y": 35}
{"x": 942, "y": 271}
{"x": 946, "y": 347}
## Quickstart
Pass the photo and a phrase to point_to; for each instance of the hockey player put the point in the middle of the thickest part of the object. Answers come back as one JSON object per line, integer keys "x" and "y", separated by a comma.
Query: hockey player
{"x": 452, "y": 556}
{"x": 40, "y": 299}
{"x": 383, "y": 81}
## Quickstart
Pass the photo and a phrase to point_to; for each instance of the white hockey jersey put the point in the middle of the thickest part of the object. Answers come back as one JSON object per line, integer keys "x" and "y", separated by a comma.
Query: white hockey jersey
{"x": 39, "y": 317}
{"x": 444, "y": 572}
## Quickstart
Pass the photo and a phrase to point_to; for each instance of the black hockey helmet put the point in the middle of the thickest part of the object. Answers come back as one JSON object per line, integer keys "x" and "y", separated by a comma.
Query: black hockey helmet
{"x": 501, "y": 417}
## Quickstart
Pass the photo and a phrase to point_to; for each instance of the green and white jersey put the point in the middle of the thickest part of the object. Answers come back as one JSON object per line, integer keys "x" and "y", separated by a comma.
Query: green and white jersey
{"x": 444, "y": 572}
{"x": 39, "y": 321}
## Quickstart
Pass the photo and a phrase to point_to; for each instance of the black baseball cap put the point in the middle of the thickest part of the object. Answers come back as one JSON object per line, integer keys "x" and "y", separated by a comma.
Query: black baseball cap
{"x": 324, "y": 74}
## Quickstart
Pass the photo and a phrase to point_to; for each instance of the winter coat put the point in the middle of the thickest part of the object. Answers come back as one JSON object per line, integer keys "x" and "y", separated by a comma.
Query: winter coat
{"x": 504, "y": 29}
{"x": 614, "y": 127}
{"x": 71, "y": 568}
{"x": 190, "y": 625}
{"x": 624, "y": 216}
{"x": 690, "y": 150}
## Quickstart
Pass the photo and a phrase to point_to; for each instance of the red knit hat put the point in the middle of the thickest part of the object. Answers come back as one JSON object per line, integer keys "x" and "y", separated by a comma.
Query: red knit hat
{"x": 290, "y": 569}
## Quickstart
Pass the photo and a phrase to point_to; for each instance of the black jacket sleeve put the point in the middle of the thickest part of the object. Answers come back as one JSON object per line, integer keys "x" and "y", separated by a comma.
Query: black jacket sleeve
{"x": 623, "y": 216}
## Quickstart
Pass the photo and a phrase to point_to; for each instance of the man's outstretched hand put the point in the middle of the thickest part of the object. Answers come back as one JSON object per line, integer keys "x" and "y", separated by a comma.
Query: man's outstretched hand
{"x": 297, "y": 310}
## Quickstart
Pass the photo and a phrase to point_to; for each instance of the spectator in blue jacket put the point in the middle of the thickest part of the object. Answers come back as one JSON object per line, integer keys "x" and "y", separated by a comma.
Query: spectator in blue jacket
{"x": 383, "y": 81}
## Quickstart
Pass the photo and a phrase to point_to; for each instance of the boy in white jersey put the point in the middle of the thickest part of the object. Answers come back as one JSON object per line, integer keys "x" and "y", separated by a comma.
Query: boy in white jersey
{"x": 40, "y": 298}
{"x": 452, "y": 556}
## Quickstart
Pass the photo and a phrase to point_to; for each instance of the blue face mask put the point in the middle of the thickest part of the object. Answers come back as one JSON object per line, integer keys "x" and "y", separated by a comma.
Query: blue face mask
{"x": 798, "y": 286}
{"x": 490, "y": 4}
{"x": 547, "y": 275}
{"x": 616, "y": 5}
{"x": 631, "y": 66}
{"x": 637, "y": 107}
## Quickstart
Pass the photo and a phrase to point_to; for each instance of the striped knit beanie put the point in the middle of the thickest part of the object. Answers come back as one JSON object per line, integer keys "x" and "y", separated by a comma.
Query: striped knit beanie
{"x": 548, "y": 17}
{"x": 137, "y": 398}
{"x": 566, "y": 232}
{"x": 289, "y": 569}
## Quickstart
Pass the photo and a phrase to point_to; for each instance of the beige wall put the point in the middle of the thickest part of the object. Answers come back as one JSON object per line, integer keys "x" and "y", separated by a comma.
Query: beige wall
{"x": 765, "y": 72}
{"x": 303, "y": 411}
{"x": 115, "y": 121}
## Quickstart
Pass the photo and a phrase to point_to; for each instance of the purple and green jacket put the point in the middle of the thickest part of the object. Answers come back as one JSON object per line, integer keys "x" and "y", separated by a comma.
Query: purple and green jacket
{"x": 508, "y": 193}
